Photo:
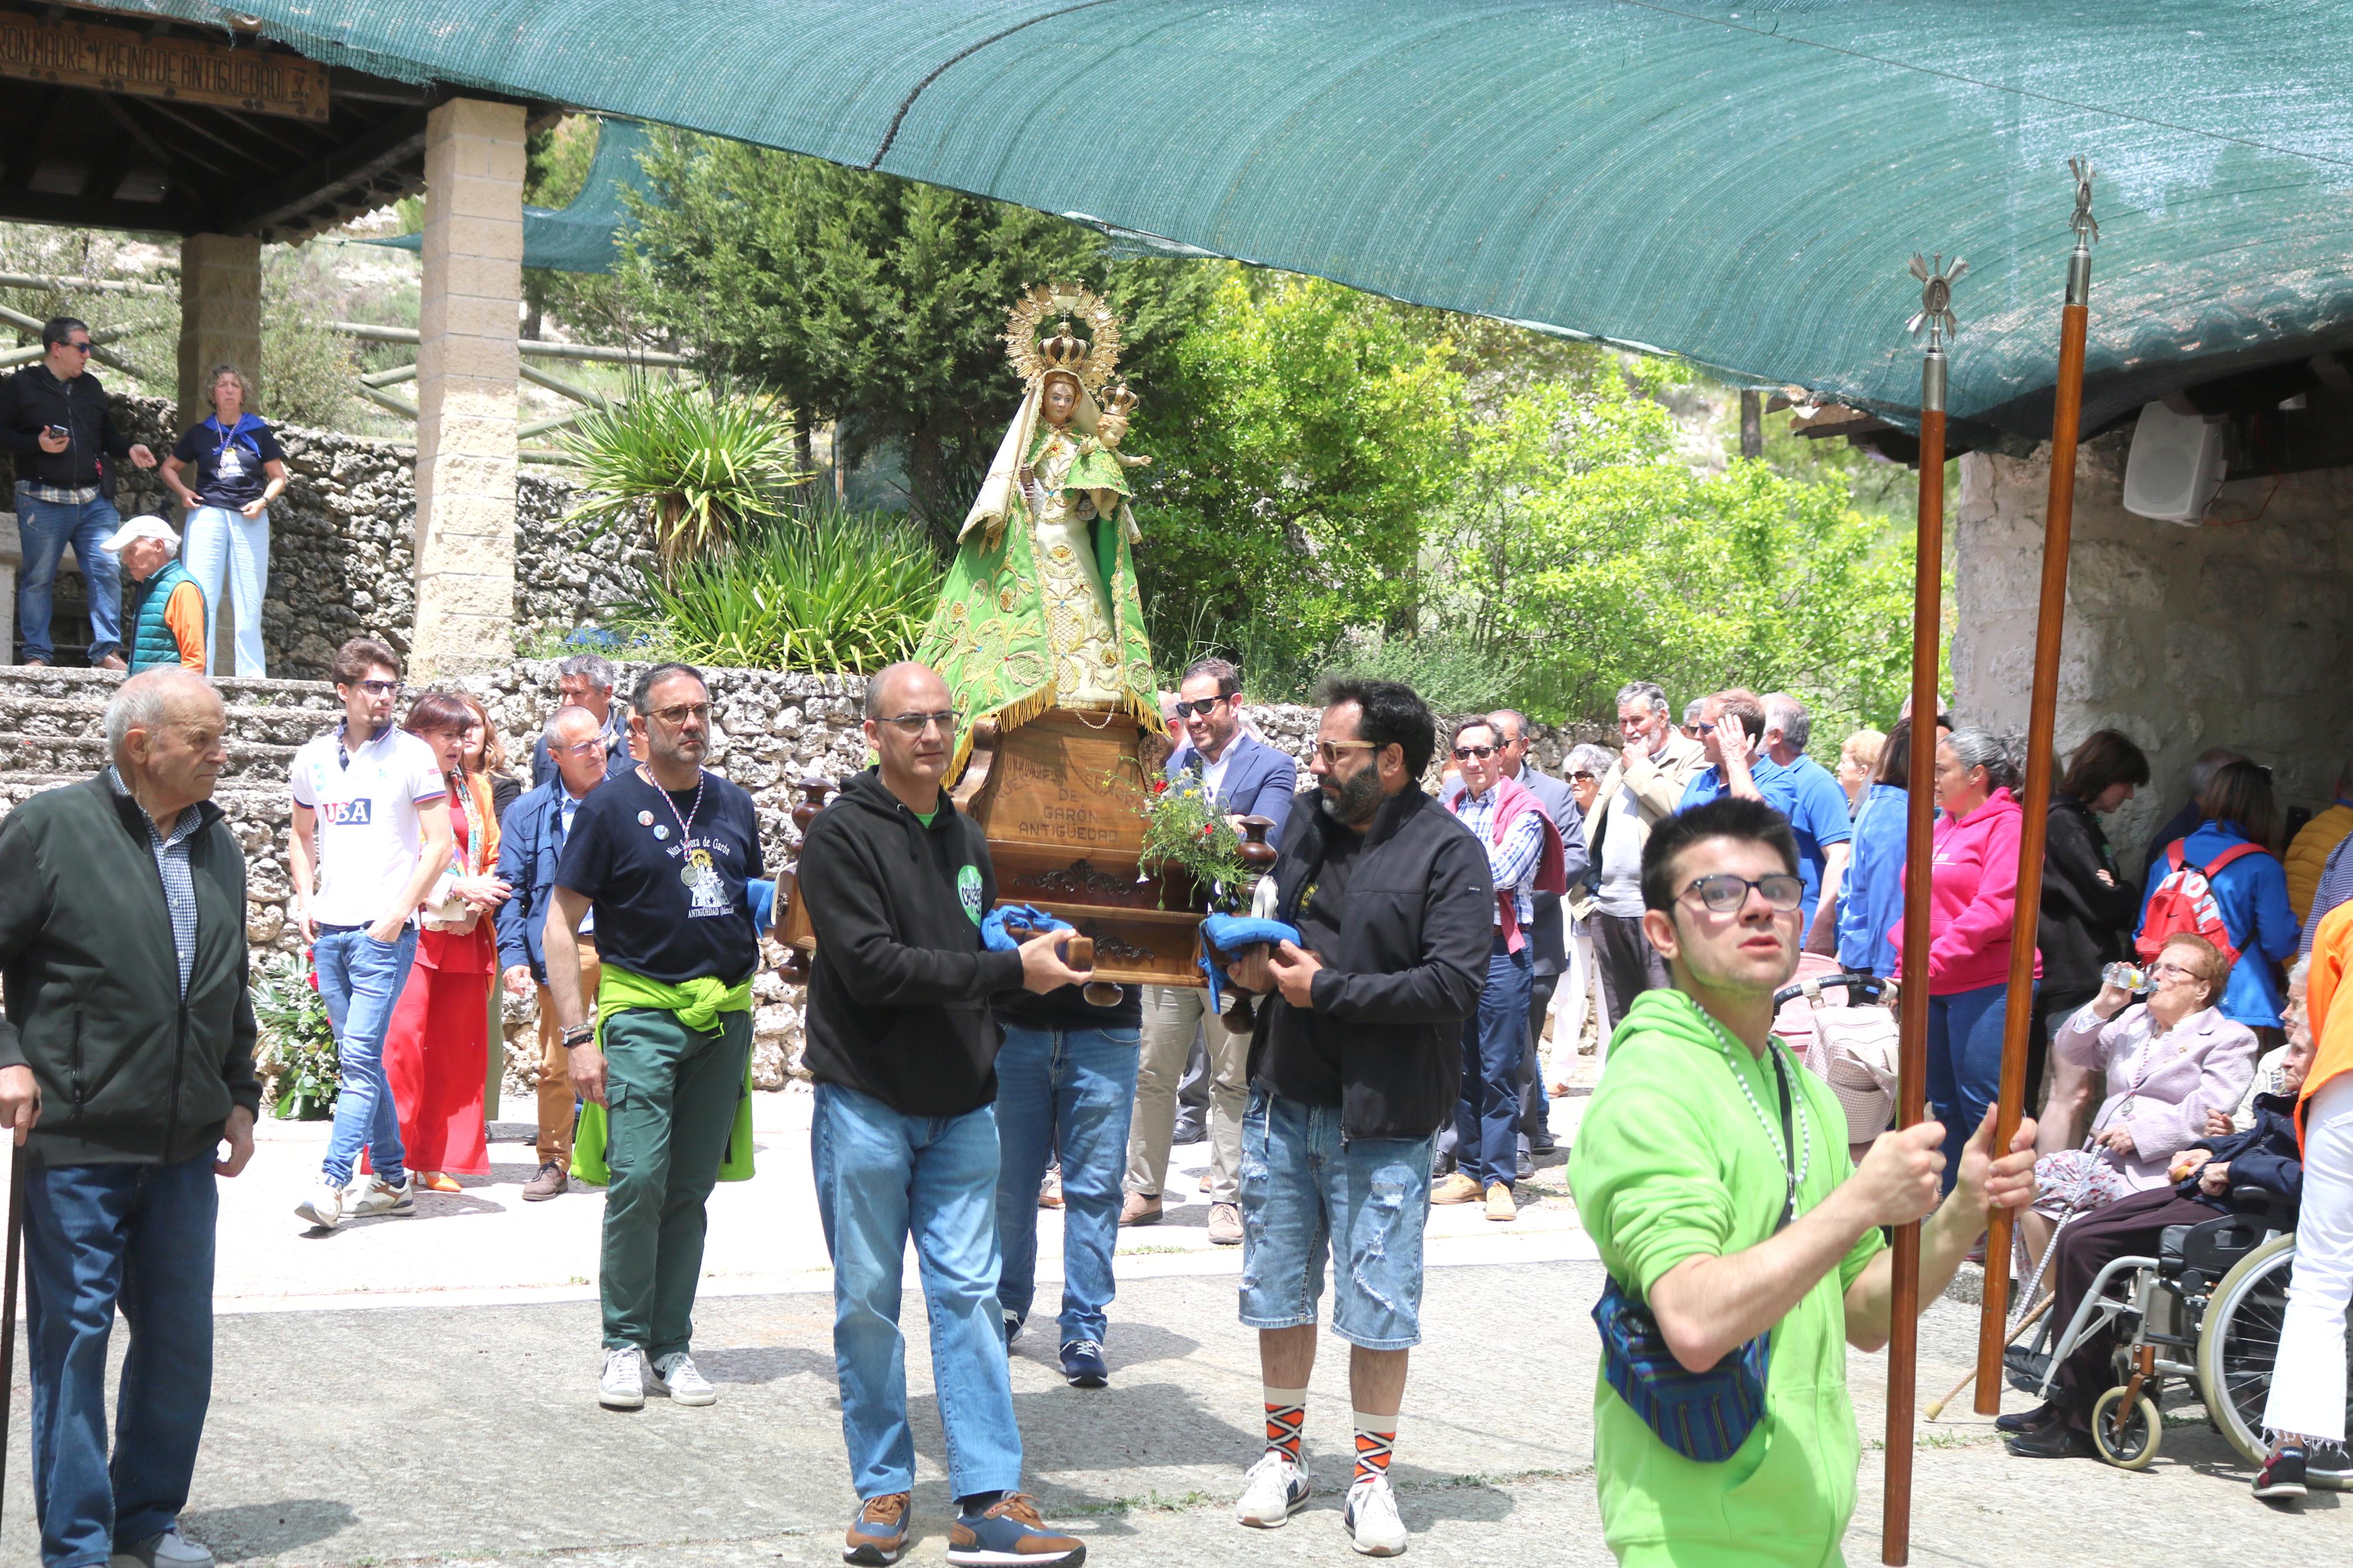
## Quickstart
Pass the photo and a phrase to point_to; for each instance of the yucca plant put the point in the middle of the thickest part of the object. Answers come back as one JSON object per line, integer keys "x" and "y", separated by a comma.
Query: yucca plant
{"x": 824, "y": 589}
{"x": 705, "y": 466}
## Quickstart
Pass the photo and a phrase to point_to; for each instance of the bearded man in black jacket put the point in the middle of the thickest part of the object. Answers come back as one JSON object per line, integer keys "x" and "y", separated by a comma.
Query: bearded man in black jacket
{"x": 902, "y": 1046}
{"x": 1354, "y": 1065}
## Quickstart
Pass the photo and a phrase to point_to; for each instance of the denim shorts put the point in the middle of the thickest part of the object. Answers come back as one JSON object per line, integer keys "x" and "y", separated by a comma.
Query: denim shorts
{"x": 1307, "y": 1189}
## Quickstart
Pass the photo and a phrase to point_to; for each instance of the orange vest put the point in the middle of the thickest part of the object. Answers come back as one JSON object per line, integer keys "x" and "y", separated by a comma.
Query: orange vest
{"x": 2332, "y": 1027}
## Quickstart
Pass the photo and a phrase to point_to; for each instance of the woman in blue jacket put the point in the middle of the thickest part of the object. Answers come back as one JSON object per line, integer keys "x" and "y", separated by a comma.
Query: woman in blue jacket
{"x": 2250, "y": 892}
{"x": 1871, "y": 900}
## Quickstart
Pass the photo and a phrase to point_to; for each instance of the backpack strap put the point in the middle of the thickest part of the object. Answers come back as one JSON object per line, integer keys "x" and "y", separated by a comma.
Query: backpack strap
{"x": 2235, "y": 852}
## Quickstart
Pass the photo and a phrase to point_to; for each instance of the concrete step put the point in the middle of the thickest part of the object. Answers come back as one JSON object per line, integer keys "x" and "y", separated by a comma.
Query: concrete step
{"x": 69, "y": 757}
{"x": 85, "y": 715}
{"x": 18, "y": 682}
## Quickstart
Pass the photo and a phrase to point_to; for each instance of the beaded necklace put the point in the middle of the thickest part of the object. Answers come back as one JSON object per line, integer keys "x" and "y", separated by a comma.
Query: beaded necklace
{"x": 1795, "y": 1177}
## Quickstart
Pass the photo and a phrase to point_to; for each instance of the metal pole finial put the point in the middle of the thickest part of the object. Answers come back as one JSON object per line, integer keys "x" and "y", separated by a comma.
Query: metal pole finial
{"x": 2086, "y": 226}
{"x": 1936, "y": 299}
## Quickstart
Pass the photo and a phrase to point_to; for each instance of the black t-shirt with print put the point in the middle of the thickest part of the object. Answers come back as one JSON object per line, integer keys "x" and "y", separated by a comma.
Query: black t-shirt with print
{"x": 666, "y": 876}
{"x": 228, "y": 472}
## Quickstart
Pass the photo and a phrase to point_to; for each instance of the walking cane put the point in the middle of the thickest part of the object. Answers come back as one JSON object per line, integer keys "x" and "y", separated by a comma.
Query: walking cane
{"x": 2058, "y": 527}
{"x": 1912, "y": 1003}
{"x": 1937, "y": 1407}
{"x": 8, "y": 1314}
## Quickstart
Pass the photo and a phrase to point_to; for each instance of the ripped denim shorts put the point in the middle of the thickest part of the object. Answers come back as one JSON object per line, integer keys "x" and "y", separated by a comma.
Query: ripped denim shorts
{"x": 1307, "y": 1191}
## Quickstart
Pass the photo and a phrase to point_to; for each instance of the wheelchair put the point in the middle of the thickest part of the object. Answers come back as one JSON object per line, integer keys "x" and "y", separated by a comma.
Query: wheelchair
{"x": 2207, "y": 1310}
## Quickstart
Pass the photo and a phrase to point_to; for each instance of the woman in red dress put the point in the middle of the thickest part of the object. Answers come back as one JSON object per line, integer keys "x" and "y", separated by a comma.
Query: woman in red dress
{"x": 437, "y": 1053}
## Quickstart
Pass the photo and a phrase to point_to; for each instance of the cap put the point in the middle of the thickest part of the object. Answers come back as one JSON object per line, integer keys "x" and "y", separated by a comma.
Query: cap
{"x": 147, "y": 527}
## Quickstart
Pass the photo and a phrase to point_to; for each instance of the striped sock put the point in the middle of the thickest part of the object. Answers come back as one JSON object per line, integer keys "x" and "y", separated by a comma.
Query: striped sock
{"x": 1375, "y": 1441}
{"x": 1286, "y": 1412}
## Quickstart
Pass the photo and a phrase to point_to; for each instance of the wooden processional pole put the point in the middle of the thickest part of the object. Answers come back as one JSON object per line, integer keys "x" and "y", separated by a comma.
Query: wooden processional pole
{"x": 1912, "y": 1001}
{"x": 2058, "y": 527}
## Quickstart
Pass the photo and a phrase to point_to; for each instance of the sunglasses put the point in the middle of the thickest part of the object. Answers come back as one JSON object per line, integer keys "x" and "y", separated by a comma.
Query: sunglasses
{"x": 1205, "y": 707}
{"x": 79, "y": 348}
{"x": 1724, "y": 894}
{"x": 1464, "y": 753}
{"x": 1584, "y": 778}
{"x": 1329, "y": 751}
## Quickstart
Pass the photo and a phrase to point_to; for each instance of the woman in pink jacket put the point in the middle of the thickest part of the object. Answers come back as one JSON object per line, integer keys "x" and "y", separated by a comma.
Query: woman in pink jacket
{"x": 1973, "y": 895}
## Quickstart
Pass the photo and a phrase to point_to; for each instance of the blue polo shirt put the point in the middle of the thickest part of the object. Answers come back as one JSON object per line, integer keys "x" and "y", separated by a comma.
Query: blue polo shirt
{"x": 1806, "y": 794}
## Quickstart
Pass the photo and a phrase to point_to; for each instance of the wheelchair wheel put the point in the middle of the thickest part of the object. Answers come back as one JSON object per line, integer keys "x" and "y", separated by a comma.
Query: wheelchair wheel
{"x": 2238, "y": 1341}
{"x": 2128, "y": 1439}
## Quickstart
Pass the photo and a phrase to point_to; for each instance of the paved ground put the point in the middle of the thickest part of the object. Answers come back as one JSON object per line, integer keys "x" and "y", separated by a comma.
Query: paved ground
{"x": 422, "y": 1391}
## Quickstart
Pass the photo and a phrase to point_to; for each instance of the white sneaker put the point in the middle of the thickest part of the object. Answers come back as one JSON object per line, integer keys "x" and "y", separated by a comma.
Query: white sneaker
{"x": 1275, "y": 1489}
{"x": 1371, "y": 1517}
{"x": 169, "y": 1550}
{"x": 623, "y": 1386}
{"x": 676, "y": 1376}
{"x": 323, "y": 1208}
{"x": 379, "y": 1196}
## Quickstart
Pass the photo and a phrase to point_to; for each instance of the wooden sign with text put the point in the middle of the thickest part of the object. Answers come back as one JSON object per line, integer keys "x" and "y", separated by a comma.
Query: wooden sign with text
{"x": 114, "y": 60}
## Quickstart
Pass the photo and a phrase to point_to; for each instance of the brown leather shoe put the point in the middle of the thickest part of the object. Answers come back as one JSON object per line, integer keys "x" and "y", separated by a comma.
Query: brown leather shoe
{"x": 1458, "y": 1188}
{"x": 878, "y": 1536}
{"x": 550, "y": 1180}
{"x": 1225, "y": 1225}
{"x": 1141, "y": 1208}
{"x": 1011, "y": 1532}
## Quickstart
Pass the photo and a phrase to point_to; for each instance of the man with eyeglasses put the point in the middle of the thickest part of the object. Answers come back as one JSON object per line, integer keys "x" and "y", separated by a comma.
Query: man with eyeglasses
{"x": 1642, "y": 789}
{"x": 531, "y": 846}
{"x": 1355, "y": 1057}
{"x": 1712, "y": 1173}
{"x": 661, "y": 857}
{"x": 55, "y": 423}
{"x": 371, "y": 838}
{"x": 905, "y": 1143}
{"x": 585, "y": 680}
{"x": 1243, "y": 776}
{"x": 1547, "y": 931}
{"x": 1524, "y": 857}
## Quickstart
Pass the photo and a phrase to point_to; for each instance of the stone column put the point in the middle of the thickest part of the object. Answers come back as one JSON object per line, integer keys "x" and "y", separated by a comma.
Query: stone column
{"x": 220, "y": 315}
{"x": 467, "y": 362}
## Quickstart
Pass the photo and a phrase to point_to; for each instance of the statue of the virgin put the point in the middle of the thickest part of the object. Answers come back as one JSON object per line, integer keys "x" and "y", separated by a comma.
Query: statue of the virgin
{"x": 1039, "y": 610}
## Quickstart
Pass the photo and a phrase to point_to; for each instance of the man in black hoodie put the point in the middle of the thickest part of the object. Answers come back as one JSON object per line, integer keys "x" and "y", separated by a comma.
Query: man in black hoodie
{"x": 902, "y": 1046}
{"x": 126, "y": 1060}
{"x": 1352, "y": 1068}
{"x": 54, "y": 422}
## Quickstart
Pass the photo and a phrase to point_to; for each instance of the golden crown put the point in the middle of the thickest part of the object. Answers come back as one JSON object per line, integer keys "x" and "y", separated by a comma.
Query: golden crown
{"x": 1117, "y": 399}
{"x": 1035, "y": 351}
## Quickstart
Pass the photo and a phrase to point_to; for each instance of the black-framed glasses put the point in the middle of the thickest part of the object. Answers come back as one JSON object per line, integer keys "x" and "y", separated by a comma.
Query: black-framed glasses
{"x": 1464, "y": 753}
{"x": 913, "y": 724}
{"x": 1724, "y": 894}
{"x": 1205, "y": 707}
{"x": 675, "y": 716}
{"x": 381, "y": 688}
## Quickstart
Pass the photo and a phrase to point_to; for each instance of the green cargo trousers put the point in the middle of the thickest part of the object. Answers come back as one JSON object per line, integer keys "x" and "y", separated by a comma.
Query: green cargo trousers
{"x": 670, "y": 1096}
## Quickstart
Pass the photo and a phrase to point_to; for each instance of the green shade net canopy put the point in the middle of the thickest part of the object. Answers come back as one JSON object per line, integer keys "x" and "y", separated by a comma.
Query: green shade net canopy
{"x": 579, "y": 238}
{"x": 1740, "y": 184}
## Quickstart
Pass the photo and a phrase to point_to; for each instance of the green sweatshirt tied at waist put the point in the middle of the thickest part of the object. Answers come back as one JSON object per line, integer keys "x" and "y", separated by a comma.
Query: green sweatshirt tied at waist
{"x": 697, "y": 1004}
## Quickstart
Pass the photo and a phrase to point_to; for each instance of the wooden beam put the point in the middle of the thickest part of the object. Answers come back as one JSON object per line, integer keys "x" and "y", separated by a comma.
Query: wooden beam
{"x": 564, "y": 388}
{"x": 28, "y": 355}
{"x": 260, "y": 81}
{"x": 541, "y": 426}
{"x": 533, "y": 348}
{"x": 83, "y": 285}
{"x": 392, "y": 377}
{"x": 399, "y": 406}
{"x": 167, "y": 216}
{"x": 399, "y": 140}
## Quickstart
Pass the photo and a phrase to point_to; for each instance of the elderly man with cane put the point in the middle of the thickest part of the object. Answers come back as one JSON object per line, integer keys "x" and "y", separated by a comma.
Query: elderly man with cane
{"x": 126, "y": 1061}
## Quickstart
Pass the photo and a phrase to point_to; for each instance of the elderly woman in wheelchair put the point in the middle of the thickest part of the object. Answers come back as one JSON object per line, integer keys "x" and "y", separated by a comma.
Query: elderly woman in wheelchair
{"x": 2184, "y": 1279}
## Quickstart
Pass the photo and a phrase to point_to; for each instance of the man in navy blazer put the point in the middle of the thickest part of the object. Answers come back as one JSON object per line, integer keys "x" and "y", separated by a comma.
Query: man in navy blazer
{"x": 531, "y": 840}
{"x": 1245, "y": 777}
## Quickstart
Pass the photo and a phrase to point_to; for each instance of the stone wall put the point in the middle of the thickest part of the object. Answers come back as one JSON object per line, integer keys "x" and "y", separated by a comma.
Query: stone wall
{"x": 2183, "y": 637}
{"x": 341, "y": 556}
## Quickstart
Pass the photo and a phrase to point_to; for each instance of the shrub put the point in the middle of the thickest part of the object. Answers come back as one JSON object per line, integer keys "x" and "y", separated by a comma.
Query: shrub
{"x": 827, "y": 590}
{"x": 297, "y": 1053}
{"x": 706, "y": 466}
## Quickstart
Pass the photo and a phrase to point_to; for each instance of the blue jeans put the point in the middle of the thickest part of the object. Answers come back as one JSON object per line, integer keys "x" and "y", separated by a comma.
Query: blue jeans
{"x": 881, "y": 1178}
{"x": 1066, "y": 1091}
{"x": 96, "y": 1238}
{"x": 360, "y": 979}
{"x": 226, "y": 543}
{"x": 45, "y": 528}
{"x": 1964, "y": 1065}
{"x": 1494, "y": 1038}
{"x": 1308, "y": 1188}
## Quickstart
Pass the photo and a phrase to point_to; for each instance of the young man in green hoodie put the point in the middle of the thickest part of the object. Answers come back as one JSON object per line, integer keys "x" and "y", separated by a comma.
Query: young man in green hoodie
{"x": 1728, "y": 1228}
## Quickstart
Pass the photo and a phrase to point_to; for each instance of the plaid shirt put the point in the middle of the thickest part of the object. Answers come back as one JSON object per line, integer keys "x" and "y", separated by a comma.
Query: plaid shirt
{"x": 172, "y": 865}
{"x": 61, "y": 495}
{"x": 1513, "y": 862}
{"x": 2336, "y": 887}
